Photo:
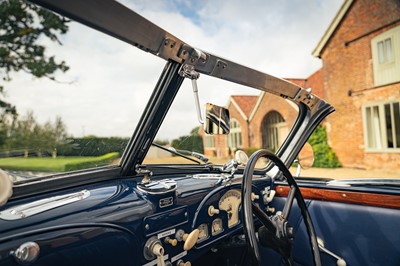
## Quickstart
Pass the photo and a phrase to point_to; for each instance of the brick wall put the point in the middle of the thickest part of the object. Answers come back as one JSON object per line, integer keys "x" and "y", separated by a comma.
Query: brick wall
{"x": 270, "y": 103}
{"x": 349, "y": 68}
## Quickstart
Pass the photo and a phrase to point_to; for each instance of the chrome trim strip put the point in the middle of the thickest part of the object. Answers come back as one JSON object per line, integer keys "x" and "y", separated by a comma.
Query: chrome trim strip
{"x": 39, "y": 206}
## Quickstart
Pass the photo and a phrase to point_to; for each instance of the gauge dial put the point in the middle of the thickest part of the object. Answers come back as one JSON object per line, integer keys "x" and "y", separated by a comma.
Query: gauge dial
{"x": 203, "y": 232}
{"x": 217, "y": 227}
{"x": 230, "y": 202}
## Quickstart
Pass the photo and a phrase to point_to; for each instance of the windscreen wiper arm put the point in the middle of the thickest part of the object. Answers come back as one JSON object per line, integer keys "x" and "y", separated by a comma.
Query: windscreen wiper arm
{"x": 179, "y": 153}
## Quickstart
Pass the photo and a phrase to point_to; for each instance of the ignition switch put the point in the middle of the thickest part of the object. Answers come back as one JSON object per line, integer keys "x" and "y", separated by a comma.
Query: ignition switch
{"x": 153, "y": 249}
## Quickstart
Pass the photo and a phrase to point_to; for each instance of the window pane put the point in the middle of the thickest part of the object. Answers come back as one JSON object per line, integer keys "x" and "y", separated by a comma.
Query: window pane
{"x": 389, "y": 131}
{"x": 396, "y": 112}
{"x": 388, "y": 47}
{"x": 376, "y": 127}
{"x": 381, "y": 53}
{"x": 368, "y": 121}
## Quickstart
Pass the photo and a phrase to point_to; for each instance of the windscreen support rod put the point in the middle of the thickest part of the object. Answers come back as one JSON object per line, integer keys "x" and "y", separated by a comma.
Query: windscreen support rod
{"x": 189, "y": 72}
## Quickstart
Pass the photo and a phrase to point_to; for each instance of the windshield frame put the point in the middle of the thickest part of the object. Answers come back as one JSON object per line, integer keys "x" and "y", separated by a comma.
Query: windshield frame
{"x": 178, "y": 54}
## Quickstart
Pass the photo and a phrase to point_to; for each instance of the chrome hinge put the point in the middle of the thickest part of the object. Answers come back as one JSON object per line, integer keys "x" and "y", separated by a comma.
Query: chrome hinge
{"x": 305, "y": 96}
{"x": 188, "y": 71}
{"x": 192, "y": 55}
{"x": 29, "y": 209}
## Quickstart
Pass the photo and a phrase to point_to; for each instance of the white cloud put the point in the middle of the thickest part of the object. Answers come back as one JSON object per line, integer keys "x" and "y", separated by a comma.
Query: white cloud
{"x": 110, "y": 77}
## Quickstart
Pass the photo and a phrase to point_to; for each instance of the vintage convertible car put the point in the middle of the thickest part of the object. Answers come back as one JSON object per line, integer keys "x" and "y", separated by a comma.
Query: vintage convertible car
{"x": 189, "y": 210}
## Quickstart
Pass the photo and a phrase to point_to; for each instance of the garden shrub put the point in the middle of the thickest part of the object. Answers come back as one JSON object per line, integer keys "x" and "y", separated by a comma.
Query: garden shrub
{"x": 324, "y": 156}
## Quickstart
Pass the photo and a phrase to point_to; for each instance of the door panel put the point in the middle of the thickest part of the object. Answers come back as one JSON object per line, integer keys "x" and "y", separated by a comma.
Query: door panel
{"x": 80, "y": 245}
{"x": 360, "y": 234}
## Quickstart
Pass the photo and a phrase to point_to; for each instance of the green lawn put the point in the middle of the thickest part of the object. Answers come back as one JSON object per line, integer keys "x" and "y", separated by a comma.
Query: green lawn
{"x": 59, "y": 164}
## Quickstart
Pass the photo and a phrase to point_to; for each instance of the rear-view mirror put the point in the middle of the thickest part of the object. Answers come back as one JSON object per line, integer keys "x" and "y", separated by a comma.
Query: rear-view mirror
{"x": 217, "y": 120}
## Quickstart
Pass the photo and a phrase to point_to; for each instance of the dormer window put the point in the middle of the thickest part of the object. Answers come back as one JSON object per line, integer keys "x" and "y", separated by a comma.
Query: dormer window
{"x": 386, "y": 57}
{"x": 385, "y": 53}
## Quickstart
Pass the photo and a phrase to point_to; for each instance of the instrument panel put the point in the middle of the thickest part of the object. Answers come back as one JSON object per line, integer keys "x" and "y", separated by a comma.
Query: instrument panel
{"x": 230, "y": 203}
{"x": 218, "y": 215}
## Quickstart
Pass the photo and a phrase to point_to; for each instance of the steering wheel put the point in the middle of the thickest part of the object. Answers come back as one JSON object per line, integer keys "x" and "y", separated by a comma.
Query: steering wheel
{"x": 276, "y": 232}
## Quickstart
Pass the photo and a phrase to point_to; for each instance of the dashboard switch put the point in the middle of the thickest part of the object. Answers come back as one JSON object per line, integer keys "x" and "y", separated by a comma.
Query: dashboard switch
{"x": 212, "y": 211}
{"x": 171, "y": 241}
{"x": 190, "y": 239}
{"x": 254, "y": 196}
{"x": 182, "y": 263}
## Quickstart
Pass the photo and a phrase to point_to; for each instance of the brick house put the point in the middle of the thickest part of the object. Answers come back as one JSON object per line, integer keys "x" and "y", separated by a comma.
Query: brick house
{"x": 360, "y": 52}
{"x": 258, "y": 121}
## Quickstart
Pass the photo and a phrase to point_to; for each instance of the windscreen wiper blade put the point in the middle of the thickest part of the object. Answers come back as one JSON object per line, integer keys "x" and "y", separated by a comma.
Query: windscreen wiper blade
{"x": 176, "y": 152}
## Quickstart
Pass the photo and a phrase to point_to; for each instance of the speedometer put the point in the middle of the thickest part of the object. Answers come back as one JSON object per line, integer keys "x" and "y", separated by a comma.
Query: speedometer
{"x": 230, "y": 202}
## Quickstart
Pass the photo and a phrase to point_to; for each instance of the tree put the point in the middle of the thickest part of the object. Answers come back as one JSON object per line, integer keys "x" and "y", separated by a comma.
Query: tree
{"x": 192, "y": 142}
{"x": 22, "y": 134}
{"x": 23, "y": 26}
{"x": 27, "y": 135}
{"x": 58, "y": 135}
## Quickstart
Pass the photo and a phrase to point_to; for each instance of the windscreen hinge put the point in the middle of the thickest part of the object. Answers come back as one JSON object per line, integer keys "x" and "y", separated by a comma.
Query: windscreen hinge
{"x": 145, "y": 172}
{"x": 188, "y": 71}
{"x": 192, "y": 55}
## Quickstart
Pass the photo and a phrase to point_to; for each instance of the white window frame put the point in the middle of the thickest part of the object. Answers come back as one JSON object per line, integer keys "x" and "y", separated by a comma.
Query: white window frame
{"x": 209, "y": 142}
{"x": 376, "y": 133}
{"x": 384, "y": 57}
{"x": 235, "y": 135}
{"x": 385, "y": 69}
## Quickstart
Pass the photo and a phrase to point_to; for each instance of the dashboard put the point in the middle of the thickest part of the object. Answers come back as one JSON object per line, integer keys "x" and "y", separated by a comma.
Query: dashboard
{"x": 212, "y": 212}
{"x": 176, "y": 219}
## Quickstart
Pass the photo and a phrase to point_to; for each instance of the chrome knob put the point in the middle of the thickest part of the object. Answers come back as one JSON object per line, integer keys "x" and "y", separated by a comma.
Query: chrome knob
{"x": 26, "y": 253}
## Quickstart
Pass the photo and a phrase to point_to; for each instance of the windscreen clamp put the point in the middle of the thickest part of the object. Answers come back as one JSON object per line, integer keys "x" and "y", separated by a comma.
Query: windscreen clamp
{"x": 145, "y": 172}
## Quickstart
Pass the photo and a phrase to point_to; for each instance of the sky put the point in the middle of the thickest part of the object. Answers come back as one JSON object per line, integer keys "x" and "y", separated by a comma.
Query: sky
{"x": 107, "y": 77}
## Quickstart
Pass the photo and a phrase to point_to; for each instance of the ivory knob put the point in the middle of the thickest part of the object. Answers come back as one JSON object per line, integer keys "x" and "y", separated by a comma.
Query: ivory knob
{"x": 190, "y": 239}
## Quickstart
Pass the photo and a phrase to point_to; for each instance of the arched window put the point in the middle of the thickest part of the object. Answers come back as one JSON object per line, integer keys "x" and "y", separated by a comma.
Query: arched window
{"x": 273, "y": 130}
{"x": 235, "y": 135}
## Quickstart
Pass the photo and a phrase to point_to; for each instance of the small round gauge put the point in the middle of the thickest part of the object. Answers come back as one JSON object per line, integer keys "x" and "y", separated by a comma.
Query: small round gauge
{"x": 230, "y": 203}
{"x": 203, "y": 232}
{"x": 217, "y": 227}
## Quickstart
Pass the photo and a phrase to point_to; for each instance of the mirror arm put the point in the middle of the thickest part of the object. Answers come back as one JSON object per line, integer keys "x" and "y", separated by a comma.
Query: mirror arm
{"x": 197, "y": 101}
{"x": 189, "y": 72}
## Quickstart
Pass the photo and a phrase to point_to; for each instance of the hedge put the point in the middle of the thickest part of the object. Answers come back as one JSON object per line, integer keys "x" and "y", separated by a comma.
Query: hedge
{"x": 92, "y": 146}
{"x": 95, "y": 162}
{"x": 324, "y": 156}
{"x": 55, "y": 165}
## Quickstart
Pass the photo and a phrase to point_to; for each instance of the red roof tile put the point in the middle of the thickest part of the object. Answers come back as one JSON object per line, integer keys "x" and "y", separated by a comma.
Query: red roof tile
{"x": 246, "y": 103}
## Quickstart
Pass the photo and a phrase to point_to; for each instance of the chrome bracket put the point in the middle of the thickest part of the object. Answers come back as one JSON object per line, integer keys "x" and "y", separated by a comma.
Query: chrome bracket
{"x": 169, "y": 49}
{"x": 188, "y": 71}
{"x": 147, "y": 174}
{"x": 192, "y": 55}
{"x": 305, "y": 96}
